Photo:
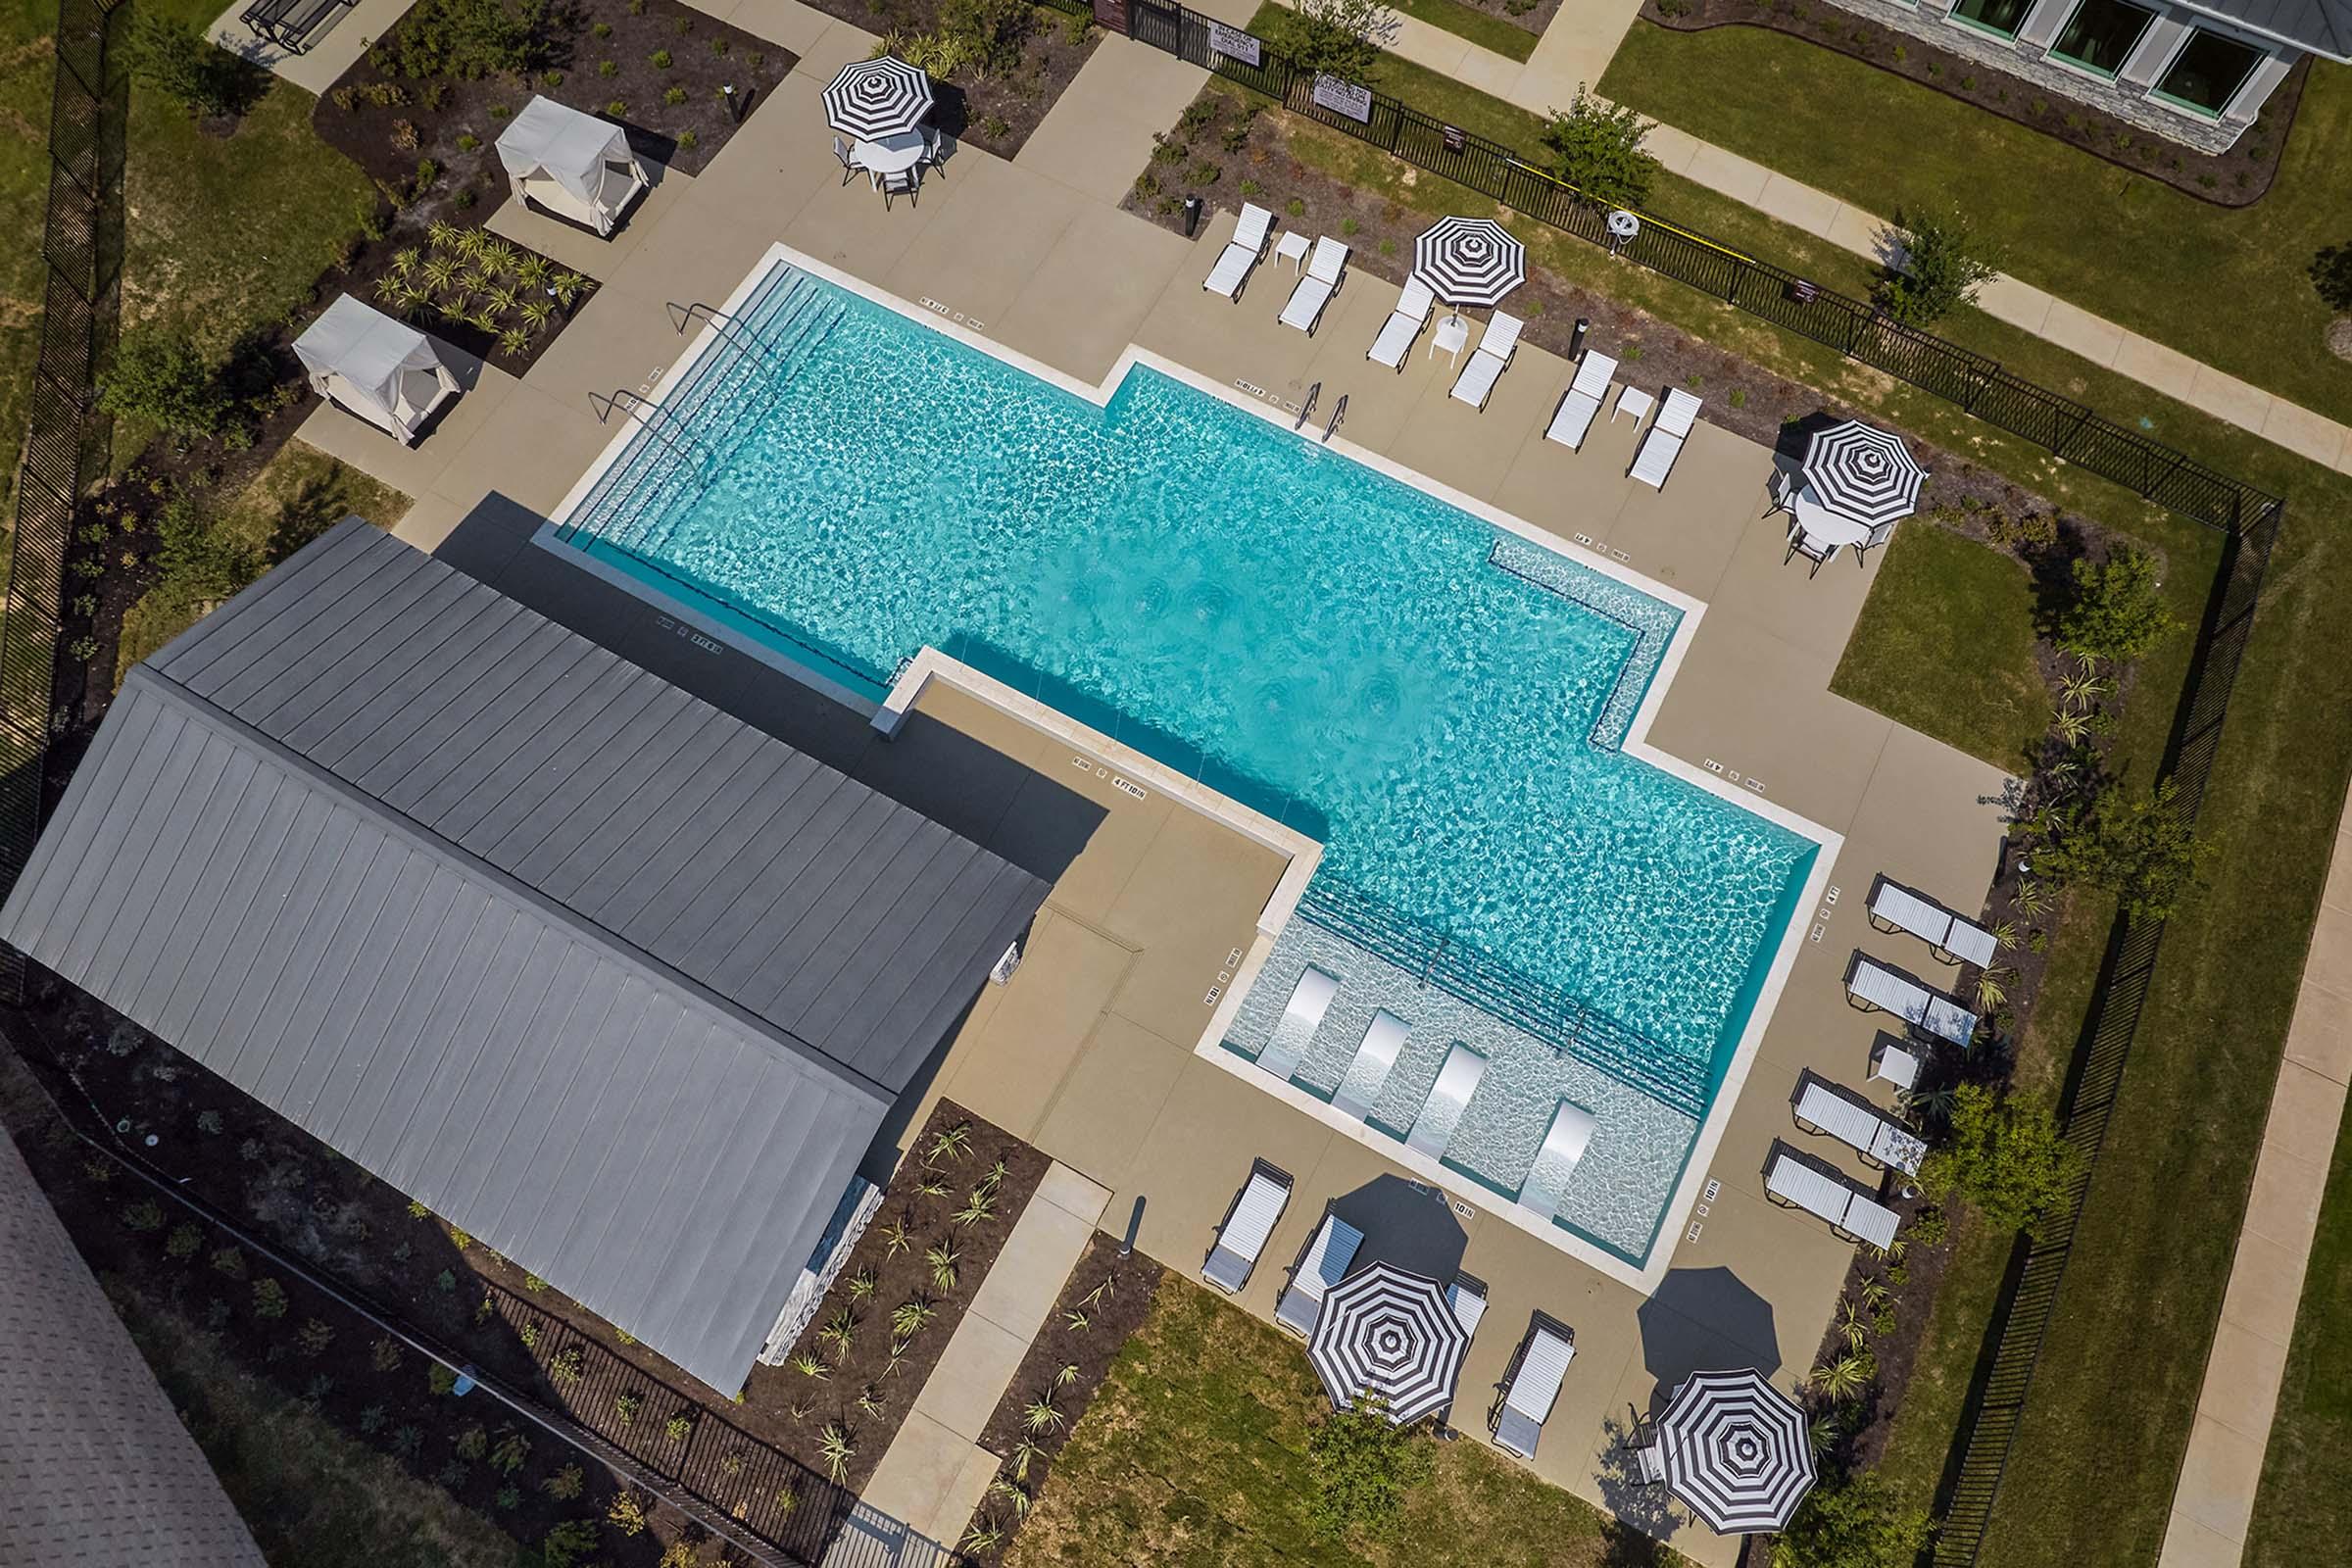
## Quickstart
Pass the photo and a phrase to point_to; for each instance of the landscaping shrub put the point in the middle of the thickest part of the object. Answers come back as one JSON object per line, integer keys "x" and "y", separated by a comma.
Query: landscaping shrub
{"x": 2008, "y": 1161}
{"x": 2332, "y": 275}
{"x": 990, "y": 31}
{"x": 1852, "y": 1522}
{"x": 163, "y": 379}
{"x": 1945, "y": 267}
{"x": 176, "y": 61}
{"x": 472, "y": 38}
{"x": 1598, "y": 149}
{"x": 1364, "y": 1467}
{"x": 2117, "y": 612}
{"x": 1341, "y": 38}
{"x": 2140, "y": 850}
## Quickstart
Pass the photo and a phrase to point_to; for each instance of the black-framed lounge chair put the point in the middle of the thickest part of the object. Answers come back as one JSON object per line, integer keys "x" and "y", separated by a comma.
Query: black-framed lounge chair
{"x": 1531, "y": 1385}
{"x": 1368, "y": 1073}
{"x": 1572, "y": 420}
{"x": 1404, "y": 323}
{"x": 1664, "y": 443}
{"x": 1796, "y": 1180}
{"x": 1458, "y": 1080}
{"x": 1881, "y": 986}
{"x": 1241, "y": 1233}
{"x": 1326, "y": 269}
{"x": 1952, "y": 938}
{"x": 1497, "y": 347}
{"x": 1329, "y": 1254}
{"x": 1822, "y": 1106}
{"x": 1242, "y": 253}
{"x": 1467, "y": 1296}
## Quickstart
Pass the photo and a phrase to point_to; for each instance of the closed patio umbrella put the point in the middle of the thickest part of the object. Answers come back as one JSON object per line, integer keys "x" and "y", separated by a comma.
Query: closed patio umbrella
{"x": 1387, "y": 1331}
{"x": 1862, "y": 472}
{"x": 875, "y": 98}
{"x": 1736, "y": 1450}
{"x": 1469, "y": 261}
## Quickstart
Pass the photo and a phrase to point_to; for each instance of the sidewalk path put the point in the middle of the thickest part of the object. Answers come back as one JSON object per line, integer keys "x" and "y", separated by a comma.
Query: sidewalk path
{"x": 2213, "y": 1501}
{"x": 1576, "y": 48}
{"x": 935, "y": 1472}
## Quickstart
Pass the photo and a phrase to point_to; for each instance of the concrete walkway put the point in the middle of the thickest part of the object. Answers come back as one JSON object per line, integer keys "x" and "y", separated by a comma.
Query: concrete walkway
{"x": 936, "y": 1472}
{"x": 2213, "y": 1502}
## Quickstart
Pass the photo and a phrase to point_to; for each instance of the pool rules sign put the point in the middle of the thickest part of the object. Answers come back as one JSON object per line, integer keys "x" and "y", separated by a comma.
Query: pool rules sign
{"x": 1344, "y": 98}
{"x": 1235, "y": 44}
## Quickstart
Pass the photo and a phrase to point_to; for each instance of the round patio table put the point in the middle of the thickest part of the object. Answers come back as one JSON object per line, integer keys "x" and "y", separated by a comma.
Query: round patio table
{"x": 890, "y": 155}
{"x": 1824, "y": 527}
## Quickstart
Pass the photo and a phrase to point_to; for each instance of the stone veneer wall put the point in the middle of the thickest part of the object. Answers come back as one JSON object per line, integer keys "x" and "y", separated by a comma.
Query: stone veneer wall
{"x": 95, "y": 1469}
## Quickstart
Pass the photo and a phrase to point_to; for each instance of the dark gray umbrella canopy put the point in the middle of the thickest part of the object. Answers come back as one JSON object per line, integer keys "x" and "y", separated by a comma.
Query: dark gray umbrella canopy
{"x": 1469, "y": 261}
{"x": 880, "y": 97}
{"x": 1736, "y": 1450}
{"x": 1388, "y": 1331}
{"x": 1860, "y": 472}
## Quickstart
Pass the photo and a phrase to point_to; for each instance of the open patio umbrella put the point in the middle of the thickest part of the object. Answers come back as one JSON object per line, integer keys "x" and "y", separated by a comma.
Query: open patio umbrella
{"x": 1736, "y": 1452}
{"x": 1469, "y": 261}
{"x": 1388, "y": 1331}
{"x": 1862, "y": 472}
{"x": 880, "y": 97}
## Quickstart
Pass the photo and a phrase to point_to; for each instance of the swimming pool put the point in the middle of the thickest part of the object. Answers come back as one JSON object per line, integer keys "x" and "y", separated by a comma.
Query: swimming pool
{"x": 1441, "y": 703}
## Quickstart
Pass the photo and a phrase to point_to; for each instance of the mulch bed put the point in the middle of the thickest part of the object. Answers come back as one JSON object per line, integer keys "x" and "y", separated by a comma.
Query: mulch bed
{"x": 798, "y": 1406}
{"x": 2238, "y": 177}
{"x": 996, "y": 111}
{"x": 1106, "y": 1300}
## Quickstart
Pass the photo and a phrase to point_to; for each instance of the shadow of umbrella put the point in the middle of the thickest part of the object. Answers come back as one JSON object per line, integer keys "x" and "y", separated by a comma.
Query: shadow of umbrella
{"x": 1704, "y": 1318}
{"x": 1407, "y": 1224}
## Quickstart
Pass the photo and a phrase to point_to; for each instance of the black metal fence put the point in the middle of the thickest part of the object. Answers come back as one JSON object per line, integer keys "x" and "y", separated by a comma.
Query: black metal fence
{"x": 1853, "y": 327}
{"x": 63, "y": 446}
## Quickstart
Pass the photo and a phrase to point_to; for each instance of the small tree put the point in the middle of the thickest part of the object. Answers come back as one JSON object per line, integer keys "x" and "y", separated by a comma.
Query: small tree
{"x": 1364, "y": 1467}
{"x": 2117, "y": 612}
{"x": 181, "y": 63}
{"x": 1598, "y": 151}
{"x": 2140, "y": 850}
{"x": 163, "y": 380}
{"x": 472, "y": 38}
{"x": 1944, "y": 267}
{"x": 990, "y": 31}
{"x": 2331, "y": 275}
{"x": 1340, "y": 38}
{"x": 1852, "y": 1522}
{"x": 2009, "y": 1162}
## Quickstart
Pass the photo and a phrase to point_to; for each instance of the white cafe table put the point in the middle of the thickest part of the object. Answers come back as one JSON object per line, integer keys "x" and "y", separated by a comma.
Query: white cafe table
{"x": 890, "y": 155}
{"x": 1823, "y": 526}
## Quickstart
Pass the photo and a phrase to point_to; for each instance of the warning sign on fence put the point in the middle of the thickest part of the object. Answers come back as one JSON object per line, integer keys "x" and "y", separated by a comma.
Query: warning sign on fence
{"x": 1344, "y": 98}
{"x": 1235, "y": 44}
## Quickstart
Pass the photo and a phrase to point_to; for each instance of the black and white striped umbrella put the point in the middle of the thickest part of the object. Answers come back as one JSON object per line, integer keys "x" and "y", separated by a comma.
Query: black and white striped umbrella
{"x": 1469, "y": 261}
{"x": 1736, "y": 1452}
{"x": 880, "y": 97}
{"x": 1862, "y": 472}
{"x": 1387, "y": 1331}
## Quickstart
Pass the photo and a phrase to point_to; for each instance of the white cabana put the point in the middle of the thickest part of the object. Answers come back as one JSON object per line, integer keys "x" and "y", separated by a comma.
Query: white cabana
{"x": 379, "y": 370}
{"x": 574, "y": 165}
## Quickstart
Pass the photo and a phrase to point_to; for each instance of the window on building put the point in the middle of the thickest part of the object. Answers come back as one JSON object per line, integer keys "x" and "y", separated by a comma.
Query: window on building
{"x": 2208, "y": 72}
{"x": 2101, "y": 34}
{"x": 2003, "y": 17}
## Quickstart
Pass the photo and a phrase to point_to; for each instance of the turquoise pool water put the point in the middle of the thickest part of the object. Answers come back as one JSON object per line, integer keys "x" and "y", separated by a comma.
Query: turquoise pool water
{"x": 1440, "y": 702}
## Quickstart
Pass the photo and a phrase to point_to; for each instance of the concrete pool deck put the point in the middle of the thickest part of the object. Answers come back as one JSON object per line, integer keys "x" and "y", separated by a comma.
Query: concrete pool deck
{"x": 1088, "y": 1051}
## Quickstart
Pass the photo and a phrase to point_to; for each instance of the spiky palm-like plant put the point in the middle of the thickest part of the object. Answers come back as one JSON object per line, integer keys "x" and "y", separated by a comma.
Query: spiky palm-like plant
{"x": 1041, "y": 1415}
{"x": 942, "y": 1259}
{"x": 834, "y": 1446}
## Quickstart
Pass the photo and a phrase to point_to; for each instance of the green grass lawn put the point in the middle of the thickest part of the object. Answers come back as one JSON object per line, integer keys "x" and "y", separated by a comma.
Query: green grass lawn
{"x": 1482, "y": 27}
{"x": 26, "y": 62}
{"x": 1945, "y": 645}
{"x": 1195, "y": 1455}
{"x": 2222, "y": 286}
{"x": 2306, "y": 1493}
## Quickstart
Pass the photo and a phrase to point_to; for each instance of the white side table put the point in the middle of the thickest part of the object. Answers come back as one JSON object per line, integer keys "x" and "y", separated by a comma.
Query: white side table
{"x": 1894, "y": 1064}
{"x": 1292, "y": 248}
{"x": 1453, "y": 331}
{"x": 1633, "y": 401}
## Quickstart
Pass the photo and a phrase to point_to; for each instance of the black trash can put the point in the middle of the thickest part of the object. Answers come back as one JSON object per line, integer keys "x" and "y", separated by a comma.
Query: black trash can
{"x": 1191, "y": 215}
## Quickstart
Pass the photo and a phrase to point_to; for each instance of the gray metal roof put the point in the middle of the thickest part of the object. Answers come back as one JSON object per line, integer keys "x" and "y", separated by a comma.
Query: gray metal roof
{"x": 2324, "y": 26}
{"x": 612, "y": 980}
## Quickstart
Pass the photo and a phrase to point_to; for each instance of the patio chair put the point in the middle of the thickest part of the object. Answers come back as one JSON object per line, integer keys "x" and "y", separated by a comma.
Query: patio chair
{"x": 1664, "y": 443}
{"x": 1323, "y": 1264}
{"x": 935, "y": 155}
{"x": 1442, "y": 1112}
{"x": 1581, "y": 403}
{"x": 1822, "y": 1106}
{"x": 1948, "y": 936}
{"x": 1564, "y": 1144}
{"x": 1878, "y": 535}
{"x": 1497, "y": 348}
{"x": 1359, "y": 1090}
{"x": 1241, "y": 1233}
{"x": 1296, "y": 1030}
{"x": 1890, "y": 990}
{"x": 1325, "y": 270}
{"x": 1531, "y": 1386}
{"x": 906, "y": 182}
{"x": 1242, "y": 253}
{"x": 1802, "y": 543}
{"x": 1782, "y": 487}
{"x": 1467, "y": 1296}
{"x": 849, "y": 164}
{"x": 1798, "y": 1181}
{"x": 1403, "y": 325}
{"x": 1649, "y": 1465}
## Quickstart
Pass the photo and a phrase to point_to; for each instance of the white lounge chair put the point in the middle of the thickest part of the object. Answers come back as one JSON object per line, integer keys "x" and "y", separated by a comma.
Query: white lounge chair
{"x": 1242, "y": 1236}
{"x": 1324, "y": 1264}
{"x": 1564, "y": 1145}
{"x": 1441, "y": 1112}
{"x": 1894, "y": 908}
{"x": 1242, "y": 253}
{"x": 1791, "y": 1179}
{"x": 1315, "y": 287}
{"x": 1822, "y": 1106}
{"x": 1664, "y": 443}
{"x": 1891, "y": 991}
{"x": 1359, "y": 1091}
{"x": 1404, "y": 323}
{"x": 1532, "y": 1385}
{"x": 1310, "y": 998}
{"x": 1468, "y": 1299}
{"x": 1496, "y": 349}
{"x": 1583, "y": 400}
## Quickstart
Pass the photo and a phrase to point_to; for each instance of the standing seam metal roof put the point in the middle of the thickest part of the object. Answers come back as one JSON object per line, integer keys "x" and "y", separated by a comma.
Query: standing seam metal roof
{"x": 613, "y": 981}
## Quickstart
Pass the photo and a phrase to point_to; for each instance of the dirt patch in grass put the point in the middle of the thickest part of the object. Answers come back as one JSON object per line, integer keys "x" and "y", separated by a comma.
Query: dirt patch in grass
{"x": 2238, "y": 177}
{"x": 998, "y": 110}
